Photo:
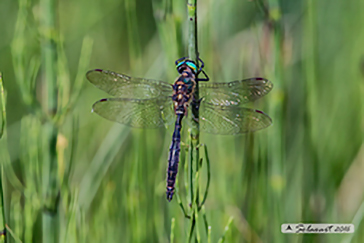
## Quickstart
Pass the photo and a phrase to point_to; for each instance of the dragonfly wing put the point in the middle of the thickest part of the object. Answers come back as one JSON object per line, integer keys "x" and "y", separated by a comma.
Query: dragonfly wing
{"x": 230, "y": 120}
{"x": 121, "y": 85}
{"x": 139, "y": 113}
{"x": 235, "y": 92}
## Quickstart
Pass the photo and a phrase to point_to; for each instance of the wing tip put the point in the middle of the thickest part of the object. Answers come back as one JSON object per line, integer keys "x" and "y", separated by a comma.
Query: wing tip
{"x": 265, "y": 114}
{"x": 261, "y": 78}
{"x": 97, "y": 102}
{"x": 94, "y": 70}
{"x": 268, "y": 85}
{"x": 90, "y": 72}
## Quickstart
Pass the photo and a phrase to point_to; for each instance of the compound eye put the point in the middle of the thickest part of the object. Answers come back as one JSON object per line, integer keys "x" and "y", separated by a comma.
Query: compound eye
{"x": 192, "y": 66}
{"x": 180, "y": 67}
{"x": 180, "y": 64}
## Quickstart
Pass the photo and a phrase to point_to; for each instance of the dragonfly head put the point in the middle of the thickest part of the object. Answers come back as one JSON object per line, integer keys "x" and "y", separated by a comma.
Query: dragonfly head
{"x": 186, "y": 63}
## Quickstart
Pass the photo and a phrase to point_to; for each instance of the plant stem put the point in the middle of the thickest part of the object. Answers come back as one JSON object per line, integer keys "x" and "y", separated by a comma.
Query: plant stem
{"x": 49, "y": 53}
{"x": 50, "y": 166}
{"x": 194, "y": 141}
{"x": 192, "y": 30}
{"x": 2, "y": 131}
{"x": 195, "y": 129}
{"x": 2, "y": 108}
{"x": 193, "y": 55}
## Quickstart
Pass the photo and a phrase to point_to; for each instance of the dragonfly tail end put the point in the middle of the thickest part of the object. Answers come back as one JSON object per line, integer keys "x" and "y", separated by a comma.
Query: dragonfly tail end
{"x": 169, "y": 195}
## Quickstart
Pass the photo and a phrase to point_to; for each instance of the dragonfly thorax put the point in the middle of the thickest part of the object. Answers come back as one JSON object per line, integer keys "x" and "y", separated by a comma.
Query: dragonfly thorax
{"x": 183, "y": 89}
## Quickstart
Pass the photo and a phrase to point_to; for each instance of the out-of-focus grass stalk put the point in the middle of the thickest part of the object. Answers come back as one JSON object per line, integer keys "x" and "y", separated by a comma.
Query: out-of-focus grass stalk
{"x": 2, "y": 107}
{"x": 15, "y": 237}
{"x": 274, "y": 38}
{"x": 25, "y": 70}
{"x": 277, "y": 174}
{"x": 358, "y": 218}
{"x": 169, "y": 26}
{"x": 136, "y": 179}
{"x": 209, "y": 234}
{"x": 2, "y": 181}
{"x": 16, "y": 216}
{"x": 309, "y": 49}
{"x": 26, "y": 65}
{"x": 70, "y": 229}
{"x": 100, "y": 164}
{"x": 133, "y": 37}
{"x": 67, "y": 99}
{"x": 227, "y": 227}
{"x": 31, "y": 142}
{"x": 172, "y": 230}
{"x": 50, "y": 183}
{"x": 311, "y": 167}
{"x": 362, "y": 97}
{"x": 41, "y": 153}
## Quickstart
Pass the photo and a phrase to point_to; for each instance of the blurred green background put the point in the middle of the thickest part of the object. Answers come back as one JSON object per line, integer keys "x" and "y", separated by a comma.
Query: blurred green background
{"x": 307, "y": 167}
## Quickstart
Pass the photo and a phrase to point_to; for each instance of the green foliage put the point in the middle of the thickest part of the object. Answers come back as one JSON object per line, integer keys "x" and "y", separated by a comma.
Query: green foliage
{"x": 306, "y": 167}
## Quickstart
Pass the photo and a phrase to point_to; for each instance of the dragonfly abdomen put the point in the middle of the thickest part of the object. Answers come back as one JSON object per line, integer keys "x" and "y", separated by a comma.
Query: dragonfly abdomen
{"x": 173, "y": 158}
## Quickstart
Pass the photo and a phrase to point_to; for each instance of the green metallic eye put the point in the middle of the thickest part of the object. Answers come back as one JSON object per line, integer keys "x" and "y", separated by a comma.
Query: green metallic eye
{"x": 179, "y": 64}
{"x": 191, "y": 65}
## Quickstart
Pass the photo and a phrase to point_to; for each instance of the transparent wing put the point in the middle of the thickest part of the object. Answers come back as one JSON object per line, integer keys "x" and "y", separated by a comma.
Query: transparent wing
{"x": 139, "y": 113}
{"x": 230, "y": 120}
{"x": 121, "y": 85}
{"x": 236, "y": 92}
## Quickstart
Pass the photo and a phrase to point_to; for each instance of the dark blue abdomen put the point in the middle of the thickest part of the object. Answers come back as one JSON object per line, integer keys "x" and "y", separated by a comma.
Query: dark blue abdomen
{"x": 173, "y": 158}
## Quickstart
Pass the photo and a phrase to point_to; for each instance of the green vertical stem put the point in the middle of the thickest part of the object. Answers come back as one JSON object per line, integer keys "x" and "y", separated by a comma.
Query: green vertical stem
{"x": 51, "y": 189}
{"x": 50, "y": 166}
{"x": 49, "y": 53}
{"x": 193, "y": 55}
{"x": 2, "y": 108}
{"x": 311, "y": 172}
{"x": 277, "y": 136}
{"x": 172, "y": 230}
{"x": 192, "y": 30}
{"x": 195, "y": 129}
{"x": 3, "y": 124}
{"x": 133, "y": 36}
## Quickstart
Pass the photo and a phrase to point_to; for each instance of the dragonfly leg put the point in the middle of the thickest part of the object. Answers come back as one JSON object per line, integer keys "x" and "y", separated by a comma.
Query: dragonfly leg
{"x": 197, "y": 103}
{"x": 201, "y": 70}
{"x": 200, "y": 145}
{"x": 184, "y": 145}
{"x": 202, "y": 64}
{"x": 203, "y": 79}
{"x": 179, "y": 60}
{"x": 195, "y": 119}
{"x": 195, "y": 107}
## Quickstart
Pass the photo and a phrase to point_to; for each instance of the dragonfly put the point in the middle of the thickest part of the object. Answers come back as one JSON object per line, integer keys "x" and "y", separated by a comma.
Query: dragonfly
{"x": 147, "y": 103}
